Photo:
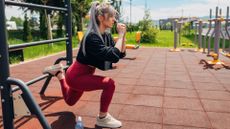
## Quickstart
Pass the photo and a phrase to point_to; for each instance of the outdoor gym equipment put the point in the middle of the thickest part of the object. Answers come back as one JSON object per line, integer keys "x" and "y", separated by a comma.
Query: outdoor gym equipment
{"x": 176, "y": 34}
{"x": 226, "y": 53}
{"x": 80, "y": 35}
{"x": 207, "y": 34}
{"x": 25, "y": 101}
{"x": 199, "y": 26}
{"x": 214, "y": 32}
{"x": 217, "y": 32}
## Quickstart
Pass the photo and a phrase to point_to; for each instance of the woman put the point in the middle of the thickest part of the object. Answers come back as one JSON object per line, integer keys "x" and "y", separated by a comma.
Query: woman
{"x": 97, "y": 50}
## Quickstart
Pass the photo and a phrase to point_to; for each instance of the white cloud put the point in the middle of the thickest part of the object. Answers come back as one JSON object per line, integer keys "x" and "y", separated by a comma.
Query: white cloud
{"x": 197, "y": 8}
{"x": 137, "y": 13}
{"x": 13, "y": 11}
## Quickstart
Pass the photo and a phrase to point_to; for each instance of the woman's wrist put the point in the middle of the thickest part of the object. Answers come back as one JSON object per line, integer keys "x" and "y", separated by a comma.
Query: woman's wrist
{"x": 121, "y": 35}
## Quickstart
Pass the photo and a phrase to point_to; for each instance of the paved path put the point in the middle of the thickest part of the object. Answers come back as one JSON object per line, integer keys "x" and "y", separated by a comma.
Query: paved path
{"x": 158, "y": 90}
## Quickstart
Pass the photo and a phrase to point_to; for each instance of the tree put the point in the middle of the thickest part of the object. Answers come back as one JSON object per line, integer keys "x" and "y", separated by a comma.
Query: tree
{"x": 80, "y": 9}
{"x": 18, "y": 20}
{"x": 43, "y": 14}
{"x": 149, "y": 33}
{"x": 59, "y": 26}
{"x": 26, "y": 30}
{"x": 169, "y": 26}
{"x": 186, "y": 28}
{"x": 117, "y": 5}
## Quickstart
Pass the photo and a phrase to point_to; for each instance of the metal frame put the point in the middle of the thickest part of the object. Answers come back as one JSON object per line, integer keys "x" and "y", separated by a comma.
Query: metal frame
{"x": 176, "y": 36}
{"x": 6, "y": 81}
{"x": 226, "y": 27}
{"x": 217, "y": 33}
{"x": 207, "y": 34}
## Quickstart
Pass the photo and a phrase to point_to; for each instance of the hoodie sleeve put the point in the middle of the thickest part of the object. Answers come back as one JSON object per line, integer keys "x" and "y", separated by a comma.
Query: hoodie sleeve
{"x": 97, "y": 49}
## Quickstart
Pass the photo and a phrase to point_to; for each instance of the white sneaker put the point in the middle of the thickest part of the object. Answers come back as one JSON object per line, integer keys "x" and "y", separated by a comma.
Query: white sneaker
{"x": 108, "y": 122}
{"x": 53, "y": 69}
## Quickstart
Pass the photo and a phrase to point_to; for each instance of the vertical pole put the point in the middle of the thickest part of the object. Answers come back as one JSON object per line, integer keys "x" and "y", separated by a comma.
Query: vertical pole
{"x": 6, "y": 93}
{"x": 217, "y": 37}
{"x": 217, "y": 8}
{"x": 130, "y": 15}
{"x": 195, "y": 37}
{"x": 69, "y": 51}
{"x": 220, "y": 13}
{"x": 179, "y": 26}
{"x": 207, "y": 34}
{"x": 200, "y": 35}
{"x": 209, "y": 42}
{"x": 223, "y": 40}
{"x": 175, "y": 34}
{"x": 226, "y": 26}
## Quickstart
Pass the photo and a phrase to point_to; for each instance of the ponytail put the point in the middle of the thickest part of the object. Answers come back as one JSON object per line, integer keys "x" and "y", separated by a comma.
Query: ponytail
{"x": 93, "y": 25}
{"x": 96, "y": 10}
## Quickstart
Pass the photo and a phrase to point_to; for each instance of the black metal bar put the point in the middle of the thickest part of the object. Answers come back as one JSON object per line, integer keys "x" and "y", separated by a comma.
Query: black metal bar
{"x": 32, "y": 82}
{"x": 37, "y": 79}
{"x": 24, "y": 45}
{"x": 6, "y": 94}
{"x": 37, "y": 6}
{"x": 68, "y": 18}
{"x": 45, "y": 85}
{"x": 30, "y": 101}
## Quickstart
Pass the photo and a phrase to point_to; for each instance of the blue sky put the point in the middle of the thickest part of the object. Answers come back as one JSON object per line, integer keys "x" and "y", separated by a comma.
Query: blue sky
{"x": 171, "y": 8}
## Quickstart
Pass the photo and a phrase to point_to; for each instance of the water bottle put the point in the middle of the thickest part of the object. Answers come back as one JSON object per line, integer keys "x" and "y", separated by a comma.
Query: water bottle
{"x": 79, "y": 123}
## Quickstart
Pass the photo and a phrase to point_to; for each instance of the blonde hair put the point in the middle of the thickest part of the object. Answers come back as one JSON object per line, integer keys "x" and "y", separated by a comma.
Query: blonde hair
{"x": 96, "y": 10}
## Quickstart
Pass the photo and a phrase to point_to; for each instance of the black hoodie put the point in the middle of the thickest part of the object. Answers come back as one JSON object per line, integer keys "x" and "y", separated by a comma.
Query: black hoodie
{"x": 98, "y": 54}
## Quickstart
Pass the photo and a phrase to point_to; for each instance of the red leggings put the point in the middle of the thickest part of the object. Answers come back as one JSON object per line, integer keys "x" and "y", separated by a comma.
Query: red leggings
{"x": 80, "y": 78}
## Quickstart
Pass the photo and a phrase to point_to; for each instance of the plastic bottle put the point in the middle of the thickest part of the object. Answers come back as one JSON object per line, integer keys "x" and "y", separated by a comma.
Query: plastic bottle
{"x": 79, "y": 123}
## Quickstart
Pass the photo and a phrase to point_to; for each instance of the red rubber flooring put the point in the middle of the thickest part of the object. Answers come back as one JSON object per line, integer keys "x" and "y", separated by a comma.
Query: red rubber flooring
{"x": 157, "y": 90}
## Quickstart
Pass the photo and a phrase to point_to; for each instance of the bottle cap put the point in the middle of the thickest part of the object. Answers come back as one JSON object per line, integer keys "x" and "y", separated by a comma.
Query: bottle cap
{"x": 79, "y": 118}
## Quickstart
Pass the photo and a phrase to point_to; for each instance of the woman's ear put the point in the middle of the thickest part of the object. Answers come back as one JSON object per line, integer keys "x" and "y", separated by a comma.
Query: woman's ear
{"x": 100, "y": 18}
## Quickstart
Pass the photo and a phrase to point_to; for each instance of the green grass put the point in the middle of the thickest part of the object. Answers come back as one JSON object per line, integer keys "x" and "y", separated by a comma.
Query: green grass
{"x": 41, "y": 50}
{"x": 164, "y": 39}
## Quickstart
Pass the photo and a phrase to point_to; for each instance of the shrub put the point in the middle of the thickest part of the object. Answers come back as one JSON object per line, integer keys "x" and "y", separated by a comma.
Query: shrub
{"x": 149, "y": 36}
{"x": 149, "y": 33}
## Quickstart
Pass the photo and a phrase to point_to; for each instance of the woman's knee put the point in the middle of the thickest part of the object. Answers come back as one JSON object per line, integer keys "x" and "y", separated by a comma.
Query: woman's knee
{"x": 110, "y": 84}
{"x": 70, "y": 102}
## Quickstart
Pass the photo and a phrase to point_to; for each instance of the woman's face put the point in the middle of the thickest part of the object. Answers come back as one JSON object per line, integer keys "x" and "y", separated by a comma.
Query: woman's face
{"x": 107, "y": 21}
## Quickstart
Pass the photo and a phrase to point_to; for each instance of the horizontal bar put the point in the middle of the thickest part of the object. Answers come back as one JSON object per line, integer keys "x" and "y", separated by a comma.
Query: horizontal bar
{"x": 22, "y": 4}
{"x": 31, "y": 82}
{"x": 24, "y": 45}
{"x": 36, "y": 80}
{"x": 216, "y": 19}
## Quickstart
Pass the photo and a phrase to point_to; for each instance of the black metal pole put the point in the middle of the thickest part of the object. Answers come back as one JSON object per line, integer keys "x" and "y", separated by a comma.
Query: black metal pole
{"x": 30, "y": 102}
{"x": 37, "y": 6}
{"x": 6, "y": 94}
{"x": 36, "y": 43}
{"x": 68, "y": 18}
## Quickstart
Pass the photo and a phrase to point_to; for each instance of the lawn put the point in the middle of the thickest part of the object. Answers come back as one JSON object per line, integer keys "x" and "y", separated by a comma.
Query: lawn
{"x": 164, "y": 39}
{"x": 39, "y": 51}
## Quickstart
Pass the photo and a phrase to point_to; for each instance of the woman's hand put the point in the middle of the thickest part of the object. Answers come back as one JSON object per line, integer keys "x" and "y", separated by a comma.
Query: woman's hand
{"x": 120, "y": 44}
{"x": 121, "y": 29}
